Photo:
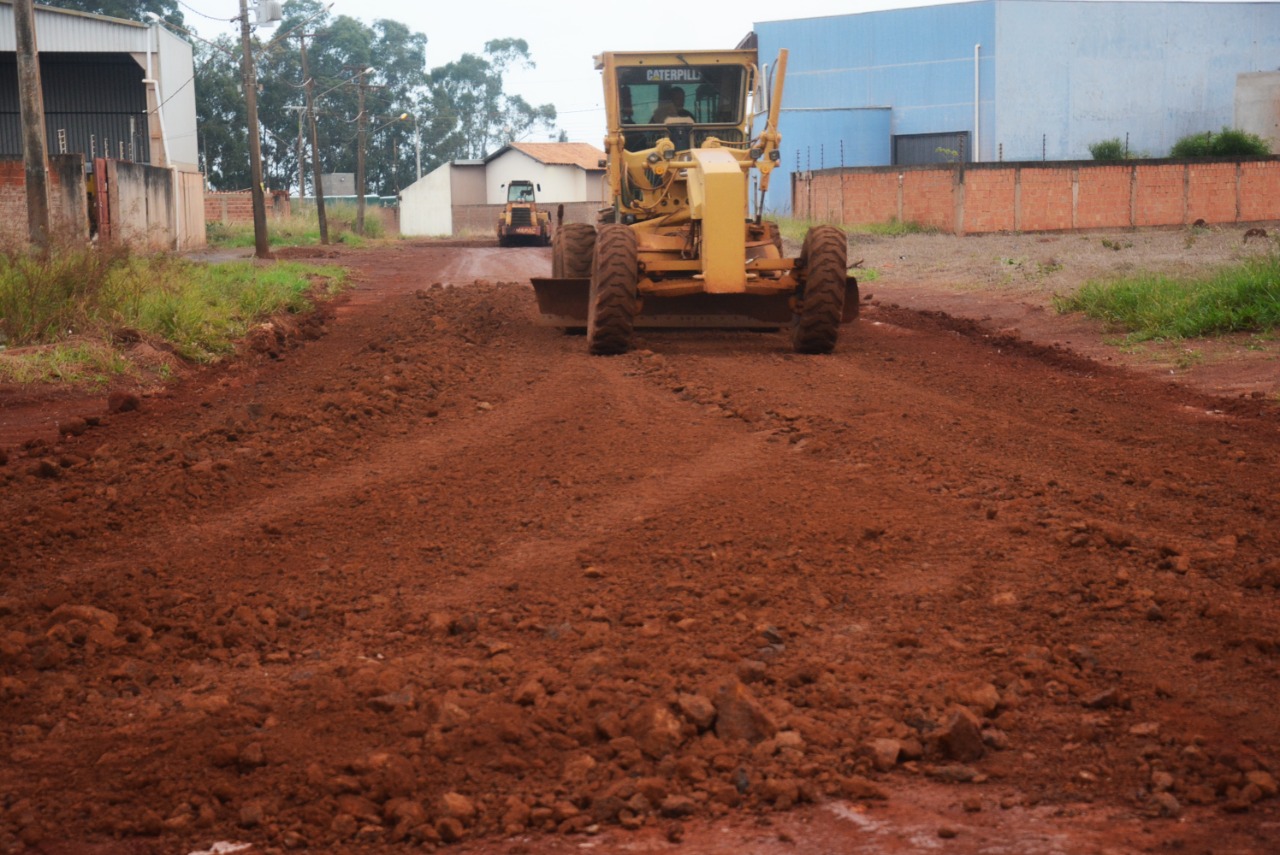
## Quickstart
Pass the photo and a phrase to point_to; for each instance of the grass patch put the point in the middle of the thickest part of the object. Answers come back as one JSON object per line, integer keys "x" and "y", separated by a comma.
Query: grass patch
{"x": 300, "y": 229}
{"x": 72, "y": 362}
{"x": 68, "y": 308}
{"x": 1241, "y": 298}
{"x": 793, "y": 229}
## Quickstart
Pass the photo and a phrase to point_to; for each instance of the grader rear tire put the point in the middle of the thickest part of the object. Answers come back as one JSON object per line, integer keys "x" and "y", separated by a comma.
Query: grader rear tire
{"x": 612, "y": 308}
{"x": 572, "y": 249}
{"x": 816, "y": 325}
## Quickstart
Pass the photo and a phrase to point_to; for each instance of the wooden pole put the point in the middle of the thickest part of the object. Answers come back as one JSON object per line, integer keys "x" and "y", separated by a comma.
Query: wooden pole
{"x": 360, "y": 133}
{"x": 262, "y": 247}
{"x": 302, "y": 164}
{"x": 34, "y": 150}
{"x": 315, "y": 146}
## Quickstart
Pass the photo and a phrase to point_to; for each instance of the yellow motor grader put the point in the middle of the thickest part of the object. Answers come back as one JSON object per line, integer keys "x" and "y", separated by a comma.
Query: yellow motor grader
{"x": 677, "y": 245}
{"x": 521, "y": 219}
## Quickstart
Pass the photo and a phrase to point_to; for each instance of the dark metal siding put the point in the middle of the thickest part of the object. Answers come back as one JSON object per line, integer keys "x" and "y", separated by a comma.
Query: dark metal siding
{"x": 96, "y": 100}
{"x": 917, "y": 149}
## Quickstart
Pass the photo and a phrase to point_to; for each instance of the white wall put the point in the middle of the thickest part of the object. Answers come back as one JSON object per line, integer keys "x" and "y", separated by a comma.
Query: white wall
{"x": 426, "y": 205}
{"x": 559, "y": 183}
{"x": 1070, "y": 74}
{"x": 178, "y": 91}
{"x": 1258, "y": 105}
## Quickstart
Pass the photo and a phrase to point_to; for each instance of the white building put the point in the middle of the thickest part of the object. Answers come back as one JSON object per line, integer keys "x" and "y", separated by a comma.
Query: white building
{"x": 458, "y": 194}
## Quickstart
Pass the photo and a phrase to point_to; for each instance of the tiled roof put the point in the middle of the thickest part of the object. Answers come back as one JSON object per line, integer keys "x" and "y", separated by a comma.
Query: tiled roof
{"x": 581, "y": 155}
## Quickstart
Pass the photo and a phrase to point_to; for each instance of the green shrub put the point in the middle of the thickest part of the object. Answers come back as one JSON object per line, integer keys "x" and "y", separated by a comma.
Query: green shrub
{"x": 1109, "y": 150}
{"x": 1230, "y": 142}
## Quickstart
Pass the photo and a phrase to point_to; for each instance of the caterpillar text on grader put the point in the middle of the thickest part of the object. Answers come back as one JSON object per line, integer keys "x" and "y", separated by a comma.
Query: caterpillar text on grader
{"x": 677, "y": 246}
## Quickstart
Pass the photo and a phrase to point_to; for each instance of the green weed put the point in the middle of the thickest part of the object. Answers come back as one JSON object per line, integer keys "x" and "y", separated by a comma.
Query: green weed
{"x": 75, "y": 362}
{"x": 300, "y": 229}
{"x": 1244, "y": 297}
{"x": 50, "y": 305}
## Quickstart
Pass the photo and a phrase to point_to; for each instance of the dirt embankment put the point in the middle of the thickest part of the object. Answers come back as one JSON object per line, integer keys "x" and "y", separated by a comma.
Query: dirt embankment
{"x": 437, "y": 577}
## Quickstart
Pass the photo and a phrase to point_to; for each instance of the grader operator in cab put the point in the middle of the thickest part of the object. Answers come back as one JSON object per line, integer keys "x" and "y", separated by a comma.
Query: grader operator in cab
{"x": 683, "y": 242}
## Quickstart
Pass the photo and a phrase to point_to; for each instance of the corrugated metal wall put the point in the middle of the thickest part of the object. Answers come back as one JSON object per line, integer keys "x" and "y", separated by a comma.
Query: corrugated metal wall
{"x": 911, "y": 68}
{"x": 97, "y": 101}
{"x": 59, "y": 30}
{"x": 1054, "y": 76}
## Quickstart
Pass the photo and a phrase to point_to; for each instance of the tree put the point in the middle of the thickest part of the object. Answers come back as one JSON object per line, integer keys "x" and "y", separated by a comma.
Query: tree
{"x": 471, "y": 114}
{"x": 221, "y": 115}
{"x": 129, "y": 10}
{"x": 461, "y": 108}
{"x": 341, "y": 47}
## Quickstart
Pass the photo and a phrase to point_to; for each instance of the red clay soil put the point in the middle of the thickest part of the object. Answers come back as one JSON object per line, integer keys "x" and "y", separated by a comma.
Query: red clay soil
{"x": 422, "y": 573}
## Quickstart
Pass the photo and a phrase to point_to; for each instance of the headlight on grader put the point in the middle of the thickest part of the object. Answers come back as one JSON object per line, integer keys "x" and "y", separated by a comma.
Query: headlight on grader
{"x": 756, "y": 153}
{"x": 653, "y": 157}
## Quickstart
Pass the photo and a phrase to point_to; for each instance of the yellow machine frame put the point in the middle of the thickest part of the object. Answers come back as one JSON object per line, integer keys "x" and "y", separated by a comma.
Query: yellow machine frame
{"x": 700, "y": 242}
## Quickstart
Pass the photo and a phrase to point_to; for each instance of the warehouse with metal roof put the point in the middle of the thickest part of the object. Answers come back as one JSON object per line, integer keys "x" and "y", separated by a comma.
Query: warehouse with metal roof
{"x": 112, "y": 88}
{"x": 1019, "y": 80}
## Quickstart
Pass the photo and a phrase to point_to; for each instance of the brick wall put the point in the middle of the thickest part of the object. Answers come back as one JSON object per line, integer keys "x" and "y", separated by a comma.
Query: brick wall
{"x": 994, "y": 197}
{"x": 237, "y": 206}
{"x": 68, "y": 199}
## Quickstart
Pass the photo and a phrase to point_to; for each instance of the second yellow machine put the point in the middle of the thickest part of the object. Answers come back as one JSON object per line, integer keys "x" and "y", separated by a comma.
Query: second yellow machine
{"x": 683, "y": 241}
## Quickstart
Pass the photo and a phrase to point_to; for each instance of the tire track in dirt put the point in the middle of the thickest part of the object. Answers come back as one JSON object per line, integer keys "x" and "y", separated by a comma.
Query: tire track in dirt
{"x": 417, "y": 616}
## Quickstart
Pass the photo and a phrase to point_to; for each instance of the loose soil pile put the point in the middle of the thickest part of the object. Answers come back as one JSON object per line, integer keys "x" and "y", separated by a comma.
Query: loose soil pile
{"x": 428, "y": 574}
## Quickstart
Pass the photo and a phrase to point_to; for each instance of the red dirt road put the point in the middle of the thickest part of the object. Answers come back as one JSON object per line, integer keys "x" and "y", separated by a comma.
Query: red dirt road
{"x": 435, "y": 576}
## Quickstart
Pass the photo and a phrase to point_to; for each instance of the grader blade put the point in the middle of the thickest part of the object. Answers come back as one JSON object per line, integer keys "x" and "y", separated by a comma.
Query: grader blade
{"x": 563, "y": 303}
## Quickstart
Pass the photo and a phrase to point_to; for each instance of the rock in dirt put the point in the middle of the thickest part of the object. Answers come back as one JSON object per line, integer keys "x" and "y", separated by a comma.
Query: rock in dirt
{"x": 656, "y": 730}
{"x": 458, "y": 807}
{"x": 698, "y": 709}
{"x": 884, "y": 753}
{"x": 961, "y": 737}
{"x": 122, "y": 402}
{"x": 740, "y": 715}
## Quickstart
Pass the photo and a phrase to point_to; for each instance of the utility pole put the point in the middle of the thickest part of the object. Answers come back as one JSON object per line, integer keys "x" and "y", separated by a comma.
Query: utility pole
{"x": 262, "y": 248}
{"x": 361, "y": 86}
{"x": 31, "y": 96}
{"x": 302, "y": 164}
{"x": 315, "y": 145}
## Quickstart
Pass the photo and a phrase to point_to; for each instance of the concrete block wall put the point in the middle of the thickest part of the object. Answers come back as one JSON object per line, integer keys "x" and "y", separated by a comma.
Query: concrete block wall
{"x": 996, "y": 197}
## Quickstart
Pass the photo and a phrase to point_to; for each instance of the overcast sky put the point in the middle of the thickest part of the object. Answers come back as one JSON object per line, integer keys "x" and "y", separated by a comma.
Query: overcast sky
{"x": 563, "y": 35}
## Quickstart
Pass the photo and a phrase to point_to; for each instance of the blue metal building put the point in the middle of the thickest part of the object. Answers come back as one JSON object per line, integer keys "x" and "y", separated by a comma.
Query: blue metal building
{"x": 1011, "y": 80}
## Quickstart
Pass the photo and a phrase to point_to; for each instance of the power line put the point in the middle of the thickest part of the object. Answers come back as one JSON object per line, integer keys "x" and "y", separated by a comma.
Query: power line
{"x": 191, "y": 8}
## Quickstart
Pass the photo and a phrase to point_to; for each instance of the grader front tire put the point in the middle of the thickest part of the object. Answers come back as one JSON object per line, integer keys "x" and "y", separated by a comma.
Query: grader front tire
{"x": 816, "y": 325}
{"x": 612, "y": 308}
{"x": 572, "y": 250}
